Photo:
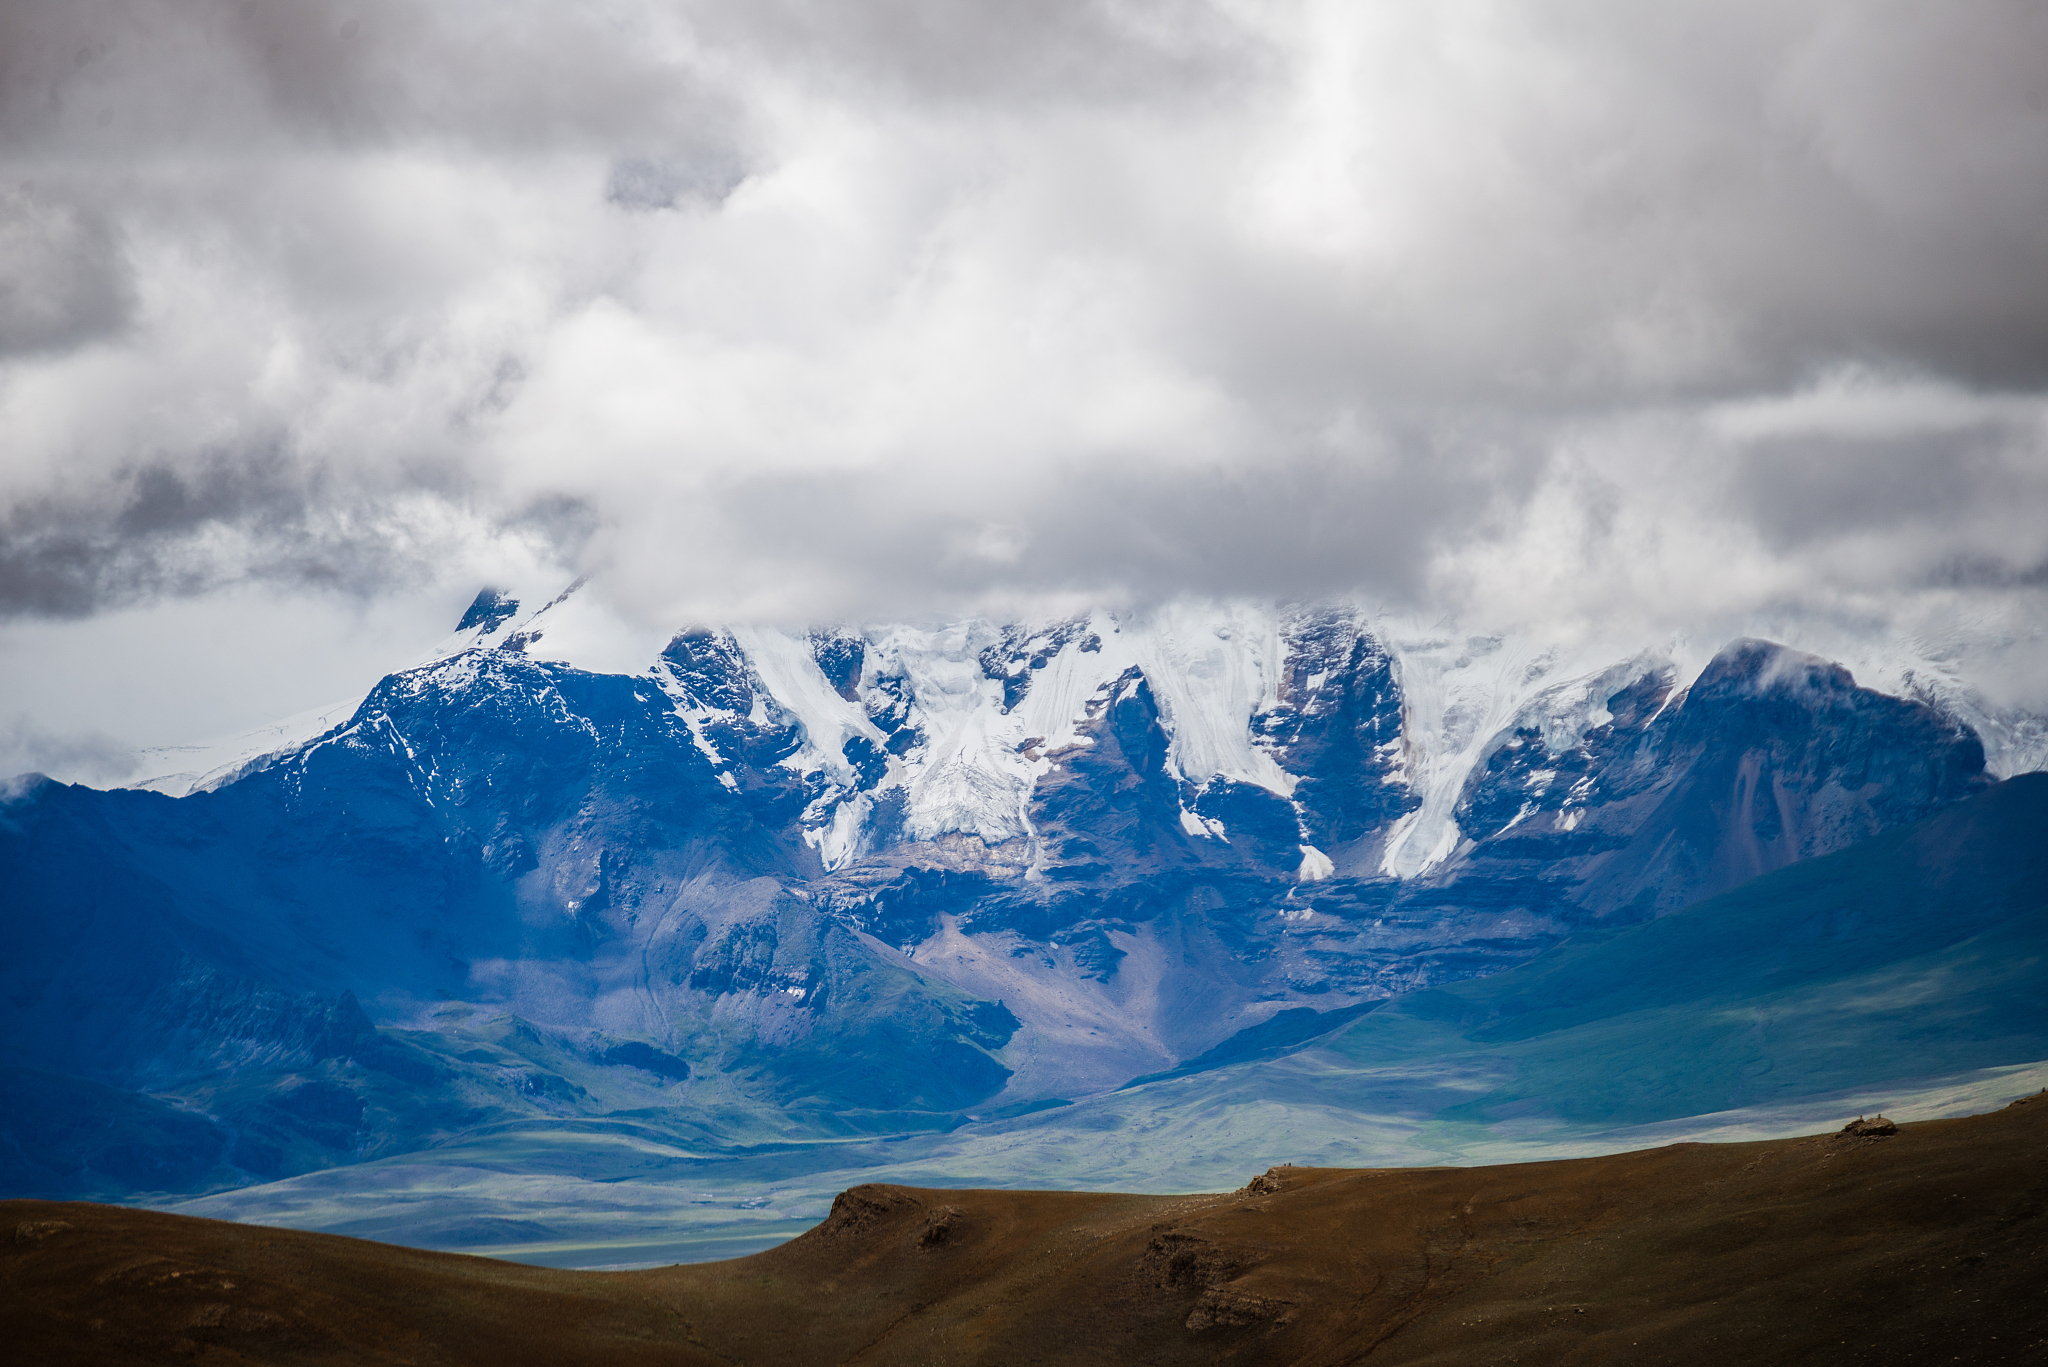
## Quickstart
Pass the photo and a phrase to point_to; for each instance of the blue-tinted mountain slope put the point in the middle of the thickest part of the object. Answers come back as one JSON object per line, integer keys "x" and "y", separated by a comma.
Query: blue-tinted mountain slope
{"x": 1918, "y": 952}
{"x": 1769, "y": 757}
{"x": 487, "y": 844}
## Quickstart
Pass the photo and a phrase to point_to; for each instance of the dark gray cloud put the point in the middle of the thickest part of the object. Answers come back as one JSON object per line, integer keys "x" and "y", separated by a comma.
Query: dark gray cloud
{"x": 162, "y": 529}
{"x": 158, "y": 529}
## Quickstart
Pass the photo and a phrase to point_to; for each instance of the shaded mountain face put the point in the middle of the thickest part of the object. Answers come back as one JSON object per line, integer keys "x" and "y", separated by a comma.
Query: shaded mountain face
{"x": 779, "y": 885}
{"x": 1917, "y": 953}
{"x": 1769, "y": 757}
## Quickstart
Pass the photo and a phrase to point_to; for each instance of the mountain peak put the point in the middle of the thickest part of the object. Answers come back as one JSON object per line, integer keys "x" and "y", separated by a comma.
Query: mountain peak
{"x": 1756, "y": 666}
{"x": 489, "y": 609}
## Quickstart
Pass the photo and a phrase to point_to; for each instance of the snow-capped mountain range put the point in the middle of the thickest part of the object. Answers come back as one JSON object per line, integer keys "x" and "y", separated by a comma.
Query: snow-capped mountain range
{"x": 964, "y": 718}
{"x": 766, "y": 881}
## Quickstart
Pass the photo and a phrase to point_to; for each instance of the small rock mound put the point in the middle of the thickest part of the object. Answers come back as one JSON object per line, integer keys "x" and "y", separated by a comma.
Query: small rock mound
{"x": 861, "y": 1209}
{"x": 883, "y": 1216}
{"x": 1224, "y": 1307}
{"x": 941, "y": 1226}
{"x": 1185, "y": 1261}
{"x": 1876, "y": 1127}
{"x": 2041, "y": 1095}
{"x": 1267, "y": 1182}
{"x": 35, "y": 1231}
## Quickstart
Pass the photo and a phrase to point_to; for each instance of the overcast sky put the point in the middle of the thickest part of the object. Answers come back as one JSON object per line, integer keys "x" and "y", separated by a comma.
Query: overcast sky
{"x": 314, "y": 317}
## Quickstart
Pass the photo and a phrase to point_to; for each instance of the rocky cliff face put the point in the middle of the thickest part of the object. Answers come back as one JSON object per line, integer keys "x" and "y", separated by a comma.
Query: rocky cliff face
{"x": 782, "y": 884}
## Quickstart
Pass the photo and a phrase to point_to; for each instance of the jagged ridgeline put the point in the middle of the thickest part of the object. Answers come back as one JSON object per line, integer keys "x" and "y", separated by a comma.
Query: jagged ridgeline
{"x": 767, "y": 885}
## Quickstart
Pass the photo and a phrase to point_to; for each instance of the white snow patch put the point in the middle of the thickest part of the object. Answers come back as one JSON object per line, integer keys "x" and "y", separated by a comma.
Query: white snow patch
{"x": 206, "y": 765}
{"x": 693, "y": 716}
{"x": 1210, "y": 668}
{"x": 1315, "y": 865}
{"x": 1213, "y": 667}
{"x": 841, "y": 839}
{"x": 1057, "y": 701}
{"x": 1461, "y": 694}
{"x": 789, "y": 672}
{"x": 968, "y": 776}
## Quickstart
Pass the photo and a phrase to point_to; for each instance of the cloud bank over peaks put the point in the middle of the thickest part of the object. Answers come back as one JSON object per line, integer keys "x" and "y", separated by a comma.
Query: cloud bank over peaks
{"x": 1577, "y": 318}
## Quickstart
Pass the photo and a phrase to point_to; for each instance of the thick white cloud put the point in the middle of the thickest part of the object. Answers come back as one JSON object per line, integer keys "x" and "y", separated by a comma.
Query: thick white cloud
{"x": 1685, "y": 314}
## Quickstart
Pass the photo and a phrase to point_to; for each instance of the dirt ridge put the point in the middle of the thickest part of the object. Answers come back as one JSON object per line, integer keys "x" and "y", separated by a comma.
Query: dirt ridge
{"x": 1920, "y": 1242}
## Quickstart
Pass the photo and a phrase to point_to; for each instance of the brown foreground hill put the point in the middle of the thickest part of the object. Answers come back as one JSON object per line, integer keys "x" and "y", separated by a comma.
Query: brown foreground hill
{"x": 1919, "y": 1246}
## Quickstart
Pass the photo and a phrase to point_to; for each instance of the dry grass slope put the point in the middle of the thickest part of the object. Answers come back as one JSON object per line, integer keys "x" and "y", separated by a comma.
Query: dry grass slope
{"x": 1919, "y": 1245}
